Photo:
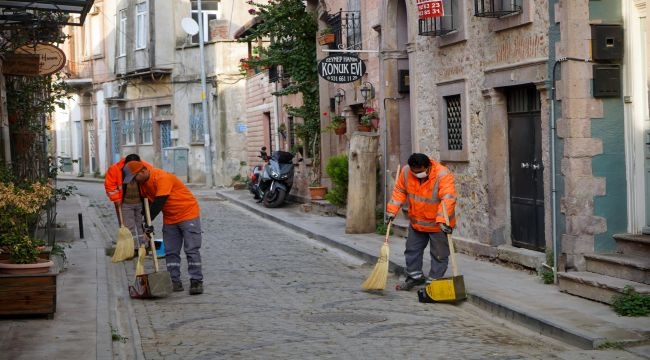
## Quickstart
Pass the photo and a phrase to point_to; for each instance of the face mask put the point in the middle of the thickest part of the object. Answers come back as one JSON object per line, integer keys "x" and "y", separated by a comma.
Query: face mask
{"x": 421, "y": 175}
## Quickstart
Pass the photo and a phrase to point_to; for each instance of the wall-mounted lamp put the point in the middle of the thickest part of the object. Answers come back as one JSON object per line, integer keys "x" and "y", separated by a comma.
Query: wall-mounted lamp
{"x": 367, "y": 91}
{"x": 340, "y": 95}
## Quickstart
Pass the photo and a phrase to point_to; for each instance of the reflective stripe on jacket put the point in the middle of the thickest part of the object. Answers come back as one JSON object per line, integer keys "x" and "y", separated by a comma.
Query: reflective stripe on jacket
{"x": 113, "y": 181}
{"x": 424, "y": 197}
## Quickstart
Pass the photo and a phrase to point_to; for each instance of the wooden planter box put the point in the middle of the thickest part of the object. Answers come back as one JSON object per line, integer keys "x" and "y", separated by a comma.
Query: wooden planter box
{"x": 28, "y": 294}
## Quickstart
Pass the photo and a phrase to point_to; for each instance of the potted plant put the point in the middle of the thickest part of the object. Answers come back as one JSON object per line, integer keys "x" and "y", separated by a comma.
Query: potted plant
{"x": 370, "y": 119}
{"x": 337, "y": 170}
{"x": 337, "y": 124}
{"x": 21, "y": 207}
{"x": 326, "y": 36}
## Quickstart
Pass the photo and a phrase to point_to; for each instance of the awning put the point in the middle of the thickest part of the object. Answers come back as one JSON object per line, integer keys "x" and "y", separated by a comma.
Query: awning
{"x": 20, "y": 13}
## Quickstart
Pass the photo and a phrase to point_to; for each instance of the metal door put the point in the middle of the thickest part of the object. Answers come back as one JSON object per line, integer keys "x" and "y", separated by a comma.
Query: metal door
{"x": 526, "y": 169}
{"x": 165, "y": 133}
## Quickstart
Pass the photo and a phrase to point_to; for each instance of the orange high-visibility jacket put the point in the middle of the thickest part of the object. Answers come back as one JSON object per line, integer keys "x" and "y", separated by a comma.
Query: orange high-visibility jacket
{"x": 114, "y": 178}
{"x": 424, "y": 198}
{"x": 181, "y": 205}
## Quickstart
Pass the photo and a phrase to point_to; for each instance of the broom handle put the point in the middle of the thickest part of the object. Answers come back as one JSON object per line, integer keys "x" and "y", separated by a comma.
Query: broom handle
{"x": 152, "y": 245}
{"x": 391, "y": 222}
{"x": 120, "y": 218}
{"x": 452, "y": 253}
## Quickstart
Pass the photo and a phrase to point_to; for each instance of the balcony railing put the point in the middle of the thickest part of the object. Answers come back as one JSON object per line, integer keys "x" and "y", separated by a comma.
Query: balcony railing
{"x": 346, "y": 26}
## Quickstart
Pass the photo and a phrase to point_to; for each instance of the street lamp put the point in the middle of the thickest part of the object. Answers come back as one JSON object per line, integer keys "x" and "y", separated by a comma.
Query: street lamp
{"x": 367, "y": 91}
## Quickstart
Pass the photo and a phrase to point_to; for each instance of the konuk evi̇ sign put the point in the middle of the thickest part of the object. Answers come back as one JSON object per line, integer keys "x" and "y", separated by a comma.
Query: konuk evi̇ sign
{"x": 341, "y": 68}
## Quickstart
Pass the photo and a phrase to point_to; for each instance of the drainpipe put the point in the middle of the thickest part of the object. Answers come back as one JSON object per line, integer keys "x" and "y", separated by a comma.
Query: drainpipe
{"x": 553, "y": 183}
{"x": 276, "y": 117}
{"x": 385, "y": 151}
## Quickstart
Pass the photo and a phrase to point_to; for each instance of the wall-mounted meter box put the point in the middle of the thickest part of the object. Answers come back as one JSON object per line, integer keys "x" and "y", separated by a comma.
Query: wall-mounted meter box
{"x": 606, "y": 42}
{"x": 607, "y": 80}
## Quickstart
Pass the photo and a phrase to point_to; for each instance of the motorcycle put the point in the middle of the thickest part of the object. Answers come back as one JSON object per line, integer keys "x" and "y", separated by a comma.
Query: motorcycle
{"x": 270, "y": 183}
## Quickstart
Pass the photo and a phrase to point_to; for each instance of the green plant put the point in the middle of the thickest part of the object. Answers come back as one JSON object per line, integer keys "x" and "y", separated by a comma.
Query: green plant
{"x": 631, "y": 303}
{"x": 336, "y": 122}
{"x": 20, "y": 206}
{"x": 115, "y": 335}
{"x": 337, "y": 170}
{"x": 326, "y": 30}
{"x": 368, "y": 116}
{"x": 546, "y": 271}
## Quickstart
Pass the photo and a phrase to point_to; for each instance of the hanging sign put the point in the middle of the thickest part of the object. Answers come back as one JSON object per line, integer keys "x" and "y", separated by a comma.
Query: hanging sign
{"x": 51, "y": 58}
{"x": 430, "y": 8}
{"x": 341, "y": 68}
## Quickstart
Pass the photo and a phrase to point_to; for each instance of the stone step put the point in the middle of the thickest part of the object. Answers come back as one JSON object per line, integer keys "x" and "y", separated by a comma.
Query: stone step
{"x": 633, "y": 244}
{"x": 596, "y": 287}
{"x": 622, "y": 266}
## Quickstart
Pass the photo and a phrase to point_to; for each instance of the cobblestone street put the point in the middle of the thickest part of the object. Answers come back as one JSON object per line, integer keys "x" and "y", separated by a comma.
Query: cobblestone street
{"x": 273, "y": 294}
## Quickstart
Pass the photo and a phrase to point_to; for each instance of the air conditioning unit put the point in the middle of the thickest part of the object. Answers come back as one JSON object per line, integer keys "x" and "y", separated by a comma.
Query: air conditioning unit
{"x": 112, "y": 90}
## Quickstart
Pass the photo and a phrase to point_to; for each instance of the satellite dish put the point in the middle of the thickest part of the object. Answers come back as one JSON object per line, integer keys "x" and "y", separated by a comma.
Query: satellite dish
{"x": 190, "y": 26}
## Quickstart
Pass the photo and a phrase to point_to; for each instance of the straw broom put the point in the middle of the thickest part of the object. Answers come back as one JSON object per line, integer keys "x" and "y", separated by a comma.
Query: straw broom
{"x": 379, "y": 275}
{"x": 139, "y": 266}
{"x": 125, "y": 244}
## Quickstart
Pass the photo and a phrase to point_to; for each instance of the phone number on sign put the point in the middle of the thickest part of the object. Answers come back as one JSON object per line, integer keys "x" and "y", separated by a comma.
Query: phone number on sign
{"x": 428, "y": 8}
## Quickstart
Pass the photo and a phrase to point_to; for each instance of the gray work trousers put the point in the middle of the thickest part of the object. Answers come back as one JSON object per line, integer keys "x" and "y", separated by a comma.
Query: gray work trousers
{"x": 185, "y": 234}
{"x": 416, "y": 242}
{"x": 132, "y": 215}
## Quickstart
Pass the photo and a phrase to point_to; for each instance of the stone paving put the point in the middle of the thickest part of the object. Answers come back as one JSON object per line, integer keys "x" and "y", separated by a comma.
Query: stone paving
{"x": 273, "y": 294}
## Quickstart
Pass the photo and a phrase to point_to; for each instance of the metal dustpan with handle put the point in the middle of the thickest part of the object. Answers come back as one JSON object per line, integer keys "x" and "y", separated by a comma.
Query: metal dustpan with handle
{"x": 449, "y": 289}
{"x": 156, "y": 284}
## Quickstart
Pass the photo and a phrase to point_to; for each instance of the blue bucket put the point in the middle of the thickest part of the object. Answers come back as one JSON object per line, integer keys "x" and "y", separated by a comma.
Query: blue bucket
{"x": 160, "y": 248}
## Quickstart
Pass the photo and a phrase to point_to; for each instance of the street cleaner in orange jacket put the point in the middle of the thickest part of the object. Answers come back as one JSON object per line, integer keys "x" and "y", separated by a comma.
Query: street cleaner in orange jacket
{"x": 126, "y": 197}
{"x": 425, "y": 184}
{"x": 181, "y": 220}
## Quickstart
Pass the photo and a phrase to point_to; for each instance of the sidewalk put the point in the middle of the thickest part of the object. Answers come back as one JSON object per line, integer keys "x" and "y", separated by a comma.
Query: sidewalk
{"x": 511, "y": 294}
{"x": 87, "y": 289}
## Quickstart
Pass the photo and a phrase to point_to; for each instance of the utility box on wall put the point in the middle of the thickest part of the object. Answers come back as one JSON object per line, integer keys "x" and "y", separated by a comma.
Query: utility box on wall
{"x": 607, "y": 80}
{"x": 606, "y": 42}
{"x": 174, "y": 160}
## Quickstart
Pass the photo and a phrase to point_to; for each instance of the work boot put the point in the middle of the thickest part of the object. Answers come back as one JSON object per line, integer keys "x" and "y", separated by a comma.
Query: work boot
{"x": 409, "y": 283}
{"x": 177, "y": 286}
{"x": 196, "y": 287}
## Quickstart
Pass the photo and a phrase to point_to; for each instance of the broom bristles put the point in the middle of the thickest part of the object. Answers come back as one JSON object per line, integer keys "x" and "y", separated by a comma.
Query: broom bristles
{"x": 377, "y": 278}
{"x": 139, "y": 266}
{"x": 124, "y": 246}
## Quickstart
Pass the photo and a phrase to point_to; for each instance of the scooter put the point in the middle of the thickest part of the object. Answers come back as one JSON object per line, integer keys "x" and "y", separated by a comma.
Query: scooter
{"x": 256, "y": 175}
{"x": 273, "y": 182}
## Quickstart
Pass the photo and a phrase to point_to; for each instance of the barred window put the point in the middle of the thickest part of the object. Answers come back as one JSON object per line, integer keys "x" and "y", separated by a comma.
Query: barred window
{"x": 454, "y": 123}
{"x": 196, "y": 123}
{"x": 128, "y": 129}
{"x": 146, "y": 126}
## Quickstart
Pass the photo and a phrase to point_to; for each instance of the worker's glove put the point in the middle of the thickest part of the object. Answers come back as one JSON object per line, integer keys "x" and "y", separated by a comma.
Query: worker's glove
{"x": 389, "y": 218}
{"x": 445, "y": 228}
{"x": 147, "y": 229}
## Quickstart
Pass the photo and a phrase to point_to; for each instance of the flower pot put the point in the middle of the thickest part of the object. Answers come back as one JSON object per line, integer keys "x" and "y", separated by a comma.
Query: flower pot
{"x": 317, "y": 192}
{"x": 41, "y": 267}
{"x": 363, "y": 128}
{"x": 326, "y": 39}
{"x": 374, "y": 123}
{"x": 340, "y": 130}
